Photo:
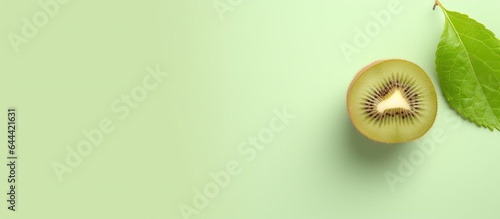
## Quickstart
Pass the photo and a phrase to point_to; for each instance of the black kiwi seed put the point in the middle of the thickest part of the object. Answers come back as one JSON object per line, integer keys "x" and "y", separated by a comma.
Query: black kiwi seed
{"x": 382, "y": 93}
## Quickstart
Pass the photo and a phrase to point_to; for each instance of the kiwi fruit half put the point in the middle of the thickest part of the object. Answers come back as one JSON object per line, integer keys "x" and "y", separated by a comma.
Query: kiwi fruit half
{"x": 392, "y": 101}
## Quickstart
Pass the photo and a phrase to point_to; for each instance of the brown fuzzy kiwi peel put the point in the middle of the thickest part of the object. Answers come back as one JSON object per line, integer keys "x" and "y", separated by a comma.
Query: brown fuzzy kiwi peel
{"x": 372, "y": 82}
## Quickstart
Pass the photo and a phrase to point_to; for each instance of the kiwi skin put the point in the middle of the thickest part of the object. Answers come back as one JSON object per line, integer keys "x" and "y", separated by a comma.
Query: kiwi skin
{"x": 375, "y": 63}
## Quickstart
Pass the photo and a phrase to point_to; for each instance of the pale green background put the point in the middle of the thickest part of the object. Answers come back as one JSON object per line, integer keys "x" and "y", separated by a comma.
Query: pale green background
{"x": 226, "y": 79}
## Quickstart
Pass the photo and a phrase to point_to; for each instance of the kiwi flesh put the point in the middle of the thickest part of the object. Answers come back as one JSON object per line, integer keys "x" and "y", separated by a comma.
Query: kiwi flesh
{"x": 392, "y": 101}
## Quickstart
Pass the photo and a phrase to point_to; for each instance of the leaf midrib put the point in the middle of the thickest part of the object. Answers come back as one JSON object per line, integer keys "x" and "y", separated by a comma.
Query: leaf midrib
{"x": 470, "y": 63}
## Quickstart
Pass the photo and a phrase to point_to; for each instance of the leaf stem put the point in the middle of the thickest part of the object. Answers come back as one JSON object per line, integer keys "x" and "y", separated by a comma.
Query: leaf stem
{"x": 436, "y": 3}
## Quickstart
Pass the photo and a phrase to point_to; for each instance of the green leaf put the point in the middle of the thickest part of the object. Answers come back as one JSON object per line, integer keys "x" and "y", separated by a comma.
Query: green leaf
{"x": 468, "y": 67}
